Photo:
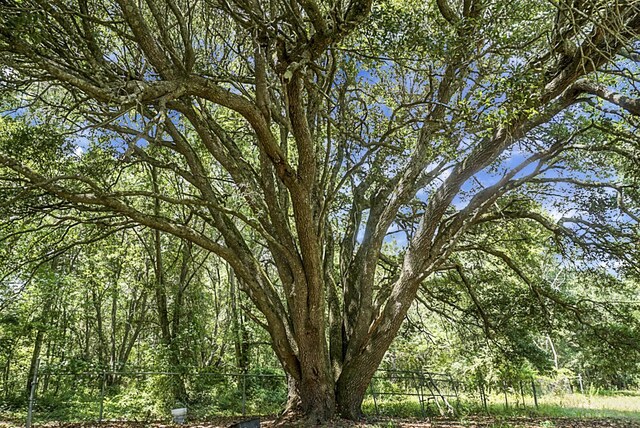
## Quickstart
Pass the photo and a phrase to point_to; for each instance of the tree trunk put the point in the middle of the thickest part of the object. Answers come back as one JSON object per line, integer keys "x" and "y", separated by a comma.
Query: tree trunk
{"x": 237, "y": 326}
{"x": 34, "y": 358}
{"x": 311, "y": 400}
{"x": 37, "y": 346}
{"x": 352, "y": 387}
{"x": 311, "y": 384}
{"x": 316, "y": 398}
{"x": 179, "y": 389}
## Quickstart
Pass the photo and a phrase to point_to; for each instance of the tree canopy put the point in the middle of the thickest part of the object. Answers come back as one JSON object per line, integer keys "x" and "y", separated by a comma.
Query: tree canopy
{"x": 338, "y": 155}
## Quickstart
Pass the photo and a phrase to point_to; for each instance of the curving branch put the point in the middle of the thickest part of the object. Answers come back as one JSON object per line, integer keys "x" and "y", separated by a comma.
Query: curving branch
{"x": 631, "y": 105}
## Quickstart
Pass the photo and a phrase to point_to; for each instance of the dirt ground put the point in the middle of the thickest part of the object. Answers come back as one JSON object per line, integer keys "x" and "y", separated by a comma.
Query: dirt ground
{"x": 470, "y": 422}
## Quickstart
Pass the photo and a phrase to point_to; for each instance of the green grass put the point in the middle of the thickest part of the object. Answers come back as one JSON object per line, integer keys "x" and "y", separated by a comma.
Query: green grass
{"x": 579, "y": 406}
{"x": 610, "y": 406}
{"x": 574, "y": 406}
{"x": 142, "y": 406}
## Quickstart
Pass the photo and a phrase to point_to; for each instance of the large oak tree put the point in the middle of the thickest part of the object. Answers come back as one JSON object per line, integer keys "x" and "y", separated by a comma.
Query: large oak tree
{"x": 302, "y": 134}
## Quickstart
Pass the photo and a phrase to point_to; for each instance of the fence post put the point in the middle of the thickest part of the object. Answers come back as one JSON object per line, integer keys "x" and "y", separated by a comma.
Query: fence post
{"x": 373, "y": 394}
{"x": 244, "y": 393}
{"x": 504, "y": 391}
{"x": 533, "y": 388}
{"x": 104, "y": 381}
{"x": 580, "y": 382}
{"x": 420, "y": 390}
{"x": 454, "y": 385}
{"x": 32, "y": 393}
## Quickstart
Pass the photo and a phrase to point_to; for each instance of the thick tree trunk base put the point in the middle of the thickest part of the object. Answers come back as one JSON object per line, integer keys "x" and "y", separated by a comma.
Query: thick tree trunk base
{"x": 350, "y": 392}
{"x": 350, "y": 409}
{"x": 312, "y": 407}
{"x": 295, "y": 417}
{"x": 304, "y": 422}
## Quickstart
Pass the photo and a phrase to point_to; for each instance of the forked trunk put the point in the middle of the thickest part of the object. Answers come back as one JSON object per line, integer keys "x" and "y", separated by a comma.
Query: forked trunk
{"x": 358, "y": 371}
{"x": 316, "y": 399}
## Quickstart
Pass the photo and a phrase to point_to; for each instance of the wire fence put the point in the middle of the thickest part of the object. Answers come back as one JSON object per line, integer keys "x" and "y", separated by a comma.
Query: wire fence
{"x": 150, "y": 395}
{"x": 428, "y": 388}
{"x": 145, "y": 395}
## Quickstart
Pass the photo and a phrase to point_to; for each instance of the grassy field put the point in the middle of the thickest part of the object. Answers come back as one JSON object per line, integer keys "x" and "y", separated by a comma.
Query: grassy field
{"x": 612, "y": 406}
{"x": 591, "y": 406}
{"x": 553, "y": 411}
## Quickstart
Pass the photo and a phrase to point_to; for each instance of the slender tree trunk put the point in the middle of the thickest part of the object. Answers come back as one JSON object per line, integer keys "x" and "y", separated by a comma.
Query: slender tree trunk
{"x": 114, "y": 324}
{"x": 6, "y": 372}
{"x": 87, "y": 328}
{"x": 553, "y": 351}
{"x": 96, "y": 299}
{"x": 167, "y": 336}
{"x": 39, "y": 340}
{"x": 133, "y": 328}
{"x": 237, "y": 326}
{"x": 37, "y": 346}
{"x": 47, "y": 357}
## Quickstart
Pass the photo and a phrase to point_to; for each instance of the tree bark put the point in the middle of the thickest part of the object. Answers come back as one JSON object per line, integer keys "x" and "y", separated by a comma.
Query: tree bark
{"x": 350, "y": 391}
{"x": 237, "y": 326}
{"x": 179, "y": 389}
{"x": 310, "y": 401}
{"x": 37, "y": 346}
